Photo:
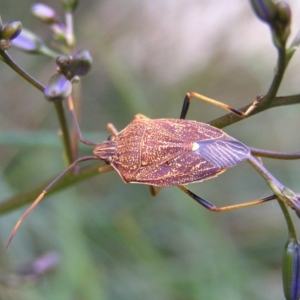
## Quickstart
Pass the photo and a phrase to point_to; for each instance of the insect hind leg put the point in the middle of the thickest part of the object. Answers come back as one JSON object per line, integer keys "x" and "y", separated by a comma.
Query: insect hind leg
{"x": 213, "y": 208}
{"x": 239, "y": 113}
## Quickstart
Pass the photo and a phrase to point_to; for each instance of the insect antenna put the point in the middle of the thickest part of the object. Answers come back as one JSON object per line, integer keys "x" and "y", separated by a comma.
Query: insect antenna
{"x": 76, "y": 125}
{"x": 61, "y": 175}
{"x": 44, "y": 192}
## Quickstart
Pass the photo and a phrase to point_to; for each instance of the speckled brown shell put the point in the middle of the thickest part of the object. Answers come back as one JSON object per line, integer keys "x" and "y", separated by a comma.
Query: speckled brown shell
{"x": 168, "y": 152}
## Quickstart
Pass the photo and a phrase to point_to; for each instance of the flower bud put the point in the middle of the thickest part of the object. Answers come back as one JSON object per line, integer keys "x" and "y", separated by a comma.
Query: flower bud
{"x": 77, "y": 65}
{"x": 283, "y": 21}
{"x": 82, "y": 61}
{"x": 11, "y": 30}
{"x": 45, "y": 13}
{"x": 291, "y": 269}
{"x": 28, "y": 41}
{"x": 58, "y": 88}
{"x": 278, "y": 16}
{"x": 284, "y": 13}
{"x": 265, "y": 9}
{"x": 59, "y": 32}
{"x": 64, "y": 61}
{"x": 41, "y": 265}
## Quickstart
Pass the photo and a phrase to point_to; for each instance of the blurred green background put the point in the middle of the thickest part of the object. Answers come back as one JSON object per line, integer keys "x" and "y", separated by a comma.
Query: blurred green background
{"x": 115, "y": 241}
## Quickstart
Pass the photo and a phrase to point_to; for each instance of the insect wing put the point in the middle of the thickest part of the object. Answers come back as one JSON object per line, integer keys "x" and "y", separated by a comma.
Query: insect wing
{"x": 224, "y": 153}
{"x": 183, "y": 169}
{"x": 168, "y": 152}
{"x": 164, "y": 139}
{"x": 186, "y": 130}
{"x": 214, "y": 152}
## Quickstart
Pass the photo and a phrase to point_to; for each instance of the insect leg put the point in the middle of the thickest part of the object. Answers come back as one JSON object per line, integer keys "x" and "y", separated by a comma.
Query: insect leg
{"x": 189, "y": 96}
{"x": 105, "y": 169}
{"x": 214, "y": 208}
{"x": 274, "y": 154}
{"x": 140, "y": 116}
{"x": 154, "y": 190}
{"x": 112, "y": 129}
{"x": 44, "y": 192}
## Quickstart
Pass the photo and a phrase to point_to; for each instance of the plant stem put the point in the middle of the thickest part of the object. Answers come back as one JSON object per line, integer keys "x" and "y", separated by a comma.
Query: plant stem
{"x": 27, "y": 197}
{"x": 289, "y": 222}
{"x": 283, "y": 194}
{"x": 280, "y": 68}
{"x": 231, "y": 118}
{"x": 267, "y": 100}
{"x": 10, "y": 62}
{"x": 65, "y": 131}
{"x": 266, "y": 175}
{"x": 58, "y": 105}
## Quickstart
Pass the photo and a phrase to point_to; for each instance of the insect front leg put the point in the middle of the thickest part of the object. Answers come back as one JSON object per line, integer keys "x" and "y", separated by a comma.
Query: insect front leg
{"x": 213, "y": 208}
{"x": 154, "y": 190}
{"x": 104, "y": 169}
{"x": 112, "y": 129}
{"x": 241, "y": 114}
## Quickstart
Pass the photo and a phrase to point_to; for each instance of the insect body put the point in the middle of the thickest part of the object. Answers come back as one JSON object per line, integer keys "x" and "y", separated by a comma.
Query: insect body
{"x": 168, "y": 152}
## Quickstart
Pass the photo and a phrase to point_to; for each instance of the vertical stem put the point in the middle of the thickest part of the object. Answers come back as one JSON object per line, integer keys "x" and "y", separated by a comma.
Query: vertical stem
{"x": 65, "y": 131}
{"x": 70, "y": 39}
{"x": 58, "y": 105}
{"x": 76, "y": 102}
{"x": 11, "y": 63}
{"x": 271, "y": 180}
{"x": 279, "y": 72}
{"x": 289, "y": 222}
{"x": 274, "y": 183}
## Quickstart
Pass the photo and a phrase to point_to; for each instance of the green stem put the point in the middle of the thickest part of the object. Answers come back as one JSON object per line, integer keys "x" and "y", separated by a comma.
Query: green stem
{"x": 284, "y": 194}
{"x": 276, "y": 186}
{"x": 278, "y": 189}
{"x": 267, "y": 100}
{"x": 65, "y": 131}
{"x": 70, "y": 41}
{"x": 289, "y": 222}
{"x": 280, "y": 68}
{"x": 10, "y": 62}
{"x": 21, "y": 199}
{"x": 58, "y": 105}
{"x": 231, "y": 118}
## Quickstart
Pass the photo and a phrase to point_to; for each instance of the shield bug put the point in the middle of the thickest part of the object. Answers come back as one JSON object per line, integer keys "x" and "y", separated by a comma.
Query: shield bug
{"x": 165, "y": 152}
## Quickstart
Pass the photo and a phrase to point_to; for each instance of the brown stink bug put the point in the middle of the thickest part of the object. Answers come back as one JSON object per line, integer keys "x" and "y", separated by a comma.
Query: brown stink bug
{"x": 168, "y": 152}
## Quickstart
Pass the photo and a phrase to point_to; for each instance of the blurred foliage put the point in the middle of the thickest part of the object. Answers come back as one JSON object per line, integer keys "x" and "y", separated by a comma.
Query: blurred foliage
{"x": 115, "y": 241}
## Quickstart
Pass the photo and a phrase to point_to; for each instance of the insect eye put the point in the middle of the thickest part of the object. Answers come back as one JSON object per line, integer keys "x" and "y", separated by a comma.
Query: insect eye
{"x": 107, "y": 160}
{"x": 110, "y": 138}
